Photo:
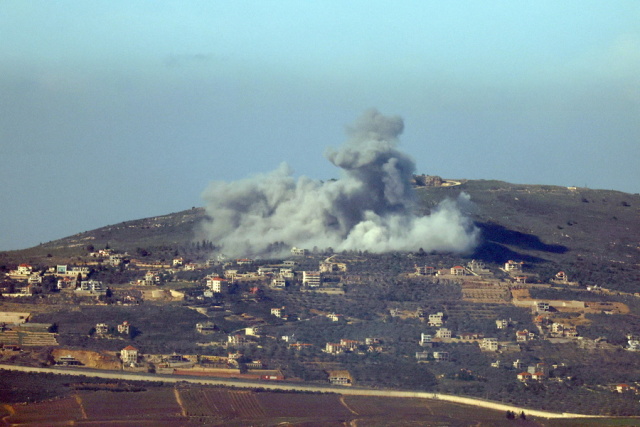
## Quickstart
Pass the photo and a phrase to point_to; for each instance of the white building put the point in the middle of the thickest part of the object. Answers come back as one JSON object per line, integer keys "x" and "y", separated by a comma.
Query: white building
{"x": 335, "y": 317}
{"x": 312, "y": 279}
{"x": 115, "y": 260}
{"x": 151, "y": 279}
{"x": 441, "y": 356}
{"x": 277, "y": 311}
{"x": 435, "y": 320}
{"x": 24, "y": 269}
{"x": 287, "y": 273}
{"x": 502, "y": 323}
{"x": 513, "y": 266}
{"x": 124, "y": 327}
{"x": 217, "y": 284}
{"x": 489, "y": 344}
{"x": 279, "y": 282}
{"x": 129, "y": 355}
{"x": 253, "y": 331}
{"x": 205, "y": 327}
{"x": 91, "y": 285}
{"x": 102, "y": 328}
{"x": 425, "y": 270}
{"x": 443, "y": 333}
{"x": 426, "y": 340}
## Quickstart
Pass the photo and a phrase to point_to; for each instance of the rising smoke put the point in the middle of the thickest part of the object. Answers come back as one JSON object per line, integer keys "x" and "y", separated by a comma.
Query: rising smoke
{"x": 371, "y": 207}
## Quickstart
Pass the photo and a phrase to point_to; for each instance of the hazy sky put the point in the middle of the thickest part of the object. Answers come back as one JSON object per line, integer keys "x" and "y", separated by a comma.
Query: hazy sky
{"x": 119, "y": 110}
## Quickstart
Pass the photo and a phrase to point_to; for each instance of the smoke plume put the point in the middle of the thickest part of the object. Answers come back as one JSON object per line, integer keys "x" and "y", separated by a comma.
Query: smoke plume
{"x": 371, "y": 206}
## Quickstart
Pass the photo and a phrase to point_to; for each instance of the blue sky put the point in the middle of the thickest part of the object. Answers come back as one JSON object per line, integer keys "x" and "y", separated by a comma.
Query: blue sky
{"x": 112, "y": 111}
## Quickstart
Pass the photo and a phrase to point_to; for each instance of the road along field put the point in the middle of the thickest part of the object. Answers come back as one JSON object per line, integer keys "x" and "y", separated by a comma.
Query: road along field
{"x": 188, "y": 404}
{"x": 282, "y": 386}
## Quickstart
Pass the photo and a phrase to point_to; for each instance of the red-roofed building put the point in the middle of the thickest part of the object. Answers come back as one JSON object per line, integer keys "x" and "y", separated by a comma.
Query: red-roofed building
{"x": 524, "y": 376}
{"x": 25, "y": 269}
{"x": 129, "y": 355}
{"x": 623, "y": 388}
{"x": 538, "y": 376}
{"x": 349, "y": 344}
{"x": 457, "y": 270}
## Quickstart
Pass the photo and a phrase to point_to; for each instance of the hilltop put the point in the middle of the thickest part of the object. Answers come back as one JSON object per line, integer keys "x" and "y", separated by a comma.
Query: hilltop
{"x": 535, "y": 223}
{"x": 550, "y": 222}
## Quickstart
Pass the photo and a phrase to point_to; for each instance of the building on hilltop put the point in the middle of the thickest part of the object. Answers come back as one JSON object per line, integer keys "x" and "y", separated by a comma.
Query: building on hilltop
{"x": 298, "y": 252}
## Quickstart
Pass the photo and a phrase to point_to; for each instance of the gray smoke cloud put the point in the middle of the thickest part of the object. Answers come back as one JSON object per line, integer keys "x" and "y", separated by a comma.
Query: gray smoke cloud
{"x": 371, "y": 207}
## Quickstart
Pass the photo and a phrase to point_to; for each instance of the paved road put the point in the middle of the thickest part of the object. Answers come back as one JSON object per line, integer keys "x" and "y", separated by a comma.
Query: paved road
{"x": 296, "y": 387}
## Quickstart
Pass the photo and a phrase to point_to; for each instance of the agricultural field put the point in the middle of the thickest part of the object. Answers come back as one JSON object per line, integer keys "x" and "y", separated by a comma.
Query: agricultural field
{"x": 201, "y": 405}
{"x": 157, "y": 403}
{"x": 220, "y": 406}
{"x": 215, "y": 405}
{"x": 43, "y": 413}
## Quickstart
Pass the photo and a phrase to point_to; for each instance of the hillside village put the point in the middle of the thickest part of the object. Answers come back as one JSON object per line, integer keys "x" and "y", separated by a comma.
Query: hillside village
{"x": 404, "y": 320}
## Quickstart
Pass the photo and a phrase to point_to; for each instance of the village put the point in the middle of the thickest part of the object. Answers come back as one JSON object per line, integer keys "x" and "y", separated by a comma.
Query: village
{"x": 216, "y": 288}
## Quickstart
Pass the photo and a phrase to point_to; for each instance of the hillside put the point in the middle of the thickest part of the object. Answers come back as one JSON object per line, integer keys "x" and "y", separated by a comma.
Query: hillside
{"x": 377, "y": 317}
{"x": 550, "y": 222}
{"x": 533, "y": 223}
{"x": 167, "y": 231}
